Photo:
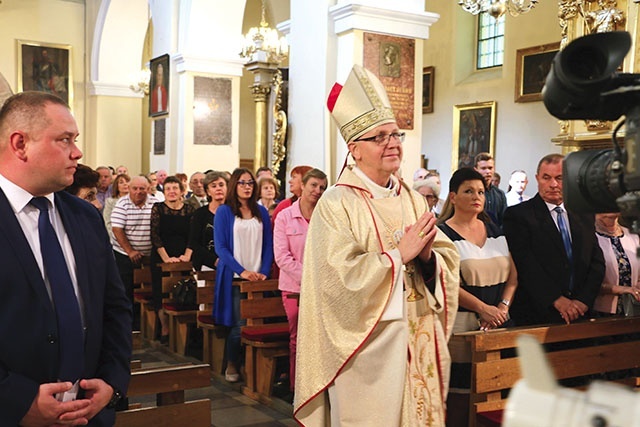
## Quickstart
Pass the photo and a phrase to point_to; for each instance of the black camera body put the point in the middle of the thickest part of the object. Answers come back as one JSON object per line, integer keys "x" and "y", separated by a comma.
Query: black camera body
{"x": 584, "y": 83}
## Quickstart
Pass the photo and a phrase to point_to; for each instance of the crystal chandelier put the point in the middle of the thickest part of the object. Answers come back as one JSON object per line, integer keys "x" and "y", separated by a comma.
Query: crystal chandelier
{"x": 264, "y": 44}
{"x": 497, "y": 8}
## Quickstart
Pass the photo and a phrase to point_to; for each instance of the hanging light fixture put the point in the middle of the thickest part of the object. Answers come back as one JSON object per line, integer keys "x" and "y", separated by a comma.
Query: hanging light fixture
{"x": 264, "y": 44}
{"x": 140, "y": 81}
{"x": 497, "y": 8}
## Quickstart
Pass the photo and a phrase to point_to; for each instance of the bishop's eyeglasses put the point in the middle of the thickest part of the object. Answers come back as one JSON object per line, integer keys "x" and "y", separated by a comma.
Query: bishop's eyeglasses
{"x": 383, "y": 139}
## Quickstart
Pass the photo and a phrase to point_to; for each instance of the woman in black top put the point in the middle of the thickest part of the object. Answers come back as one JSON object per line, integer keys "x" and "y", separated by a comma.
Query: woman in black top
{"x": 201, "y": 231}
{"x": 169, "y": 235}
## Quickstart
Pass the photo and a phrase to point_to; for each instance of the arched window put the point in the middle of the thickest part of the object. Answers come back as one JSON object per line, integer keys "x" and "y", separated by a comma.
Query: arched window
{"x": 490, "y": 46}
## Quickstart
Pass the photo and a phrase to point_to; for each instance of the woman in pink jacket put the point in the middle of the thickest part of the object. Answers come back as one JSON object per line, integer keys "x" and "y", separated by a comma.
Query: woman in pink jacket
{"x": 289, "y": 235}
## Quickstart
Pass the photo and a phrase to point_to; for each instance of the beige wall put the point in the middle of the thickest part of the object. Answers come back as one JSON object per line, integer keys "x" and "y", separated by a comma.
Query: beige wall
{"x": 523, "y": 130}
{"x": 117, "y": 128}
{"x": 45, "y": 21}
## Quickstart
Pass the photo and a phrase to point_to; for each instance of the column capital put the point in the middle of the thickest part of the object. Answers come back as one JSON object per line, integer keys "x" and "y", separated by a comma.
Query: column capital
{"x": 354, "y": 16}
{"x": 260, "y": 92}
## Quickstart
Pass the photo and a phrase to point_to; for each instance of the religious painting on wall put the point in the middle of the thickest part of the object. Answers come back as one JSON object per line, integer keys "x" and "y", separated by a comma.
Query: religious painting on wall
{"x": 212, "y": 111}
{"x": 159, "y": 86}
{"x": 532, "y": 66}
{"x": 473, "y": 132}
{"x": 391, "y": 59}
{"x": 45, "y": 67}
{"x": 428, "y": 76}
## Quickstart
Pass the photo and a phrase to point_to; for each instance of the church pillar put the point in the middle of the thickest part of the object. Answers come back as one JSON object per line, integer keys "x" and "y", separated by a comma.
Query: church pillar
{"x": 201, "y": 127}
{"x": 354, "y": 32}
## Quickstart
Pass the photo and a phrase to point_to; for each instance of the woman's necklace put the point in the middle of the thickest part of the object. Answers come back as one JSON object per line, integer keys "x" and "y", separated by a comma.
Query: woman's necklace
{"x": 616, "y": 232}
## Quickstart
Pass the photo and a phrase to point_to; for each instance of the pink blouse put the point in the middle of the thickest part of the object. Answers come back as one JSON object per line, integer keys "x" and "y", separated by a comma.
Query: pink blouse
{"x": 289, "y": 236}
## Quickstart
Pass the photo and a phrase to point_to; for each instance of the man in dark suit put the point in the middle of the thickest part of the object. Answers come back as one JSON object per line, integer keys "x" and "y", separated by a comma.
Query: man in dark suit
{"x": 556, "y": 282}
{"x": 42, "y": 383}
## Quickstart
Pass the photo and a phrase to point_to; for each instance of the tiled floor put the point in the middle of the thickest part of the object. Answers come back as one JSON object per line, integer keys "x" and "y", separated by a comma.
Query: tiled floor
{"x": 229, "y": 407}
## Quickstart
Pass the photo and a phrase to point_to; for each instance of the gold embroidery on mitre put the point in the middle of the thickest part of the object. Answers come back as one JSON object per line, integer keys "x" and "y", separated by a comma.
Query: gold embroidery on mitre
{"x": 380, "y": 113}
{"x": 360, "y": 125}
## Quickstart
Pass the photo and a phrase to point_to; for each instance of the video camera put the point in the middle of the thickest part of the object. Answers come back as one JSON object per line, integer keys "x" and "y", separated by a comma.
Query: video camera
{"x": 584, "y": 84}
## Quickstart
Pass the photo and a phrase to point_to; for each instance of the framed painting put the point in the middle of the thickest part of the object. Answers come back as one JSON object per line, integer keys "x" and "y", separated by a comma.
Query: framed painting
{"x": 428, "y": 75}
{"x": 159, "y": 86}
{"x": 532, "y": 66}
{"x": 473, "y": 132}
{"x": 45, "y": 67}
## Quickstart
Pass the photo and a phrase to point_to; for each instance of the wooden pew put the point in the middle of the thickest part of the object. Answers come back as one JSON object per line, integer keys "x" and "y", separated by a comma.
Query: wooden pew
{"x": 214, "y": 337}
{"x": 180, "y": 317}
{"x": 169, "y": 385}
{"x": 136, "y": 340}
{"x": 593, "y": 347}
{"x": 265, "y": 342}
{"x": 143, "y": 296}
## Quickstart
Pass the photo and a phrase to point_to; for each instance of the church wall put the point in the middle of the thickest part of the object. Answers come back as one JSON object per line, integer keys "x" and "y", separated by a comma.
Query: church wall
{"x": 118, "y": 130}
{"x": 523, "y": 130}
{"x": 247, "y": 129}
{"x": 45, "y": 21}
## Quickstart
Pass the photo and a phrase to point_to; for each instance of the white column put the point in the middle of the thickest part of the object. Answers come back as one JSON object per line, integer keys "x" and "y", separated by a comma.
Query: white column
{"x": 310, "y": 78}
{"x": 326, "y": 40}
{"x": 199, "y": 37}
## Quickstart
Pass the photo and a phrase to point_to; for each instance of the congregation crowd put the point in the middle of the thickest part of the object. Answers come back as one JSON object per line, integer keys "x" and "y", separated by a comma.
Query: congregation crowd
{"x": 375, "y": 278}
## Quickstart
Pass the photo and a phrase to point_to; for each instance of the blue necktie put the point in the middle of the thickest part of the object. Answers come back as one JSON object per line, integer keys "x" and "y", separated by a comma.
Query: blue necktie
{"x": 566, "y": 240}
{"x": 64, "y": 298}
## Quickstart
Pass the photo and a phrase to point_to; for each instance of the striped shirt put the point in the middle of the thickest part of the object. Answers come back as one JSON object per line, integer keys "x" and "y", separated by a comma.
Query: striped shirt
{"x": 136, "y": 222}
{"x": 483, "y": 270}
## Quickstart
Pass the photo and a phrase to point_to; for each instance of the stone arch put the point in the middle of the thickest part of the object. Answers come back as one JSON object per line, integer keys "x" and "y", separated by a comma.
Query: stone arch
{"x": 117, "y": 44}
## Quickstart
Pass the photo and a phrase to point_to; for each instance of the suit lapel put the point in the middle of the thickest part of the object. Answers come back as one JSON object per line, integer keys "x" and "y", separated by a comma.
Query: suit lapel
{"x": 548, "y": 225}
{"x": 16, "y": 240}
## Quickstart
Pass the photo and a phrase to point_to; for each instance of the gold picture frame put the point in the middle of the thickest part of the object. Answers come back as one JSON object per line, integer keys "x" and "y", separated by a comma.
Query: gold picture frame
{"x": 474, "y": 131}
{"x": 45, "y": 67}
{"x": 532, "y": 66}
{"x": 428, "y": 77}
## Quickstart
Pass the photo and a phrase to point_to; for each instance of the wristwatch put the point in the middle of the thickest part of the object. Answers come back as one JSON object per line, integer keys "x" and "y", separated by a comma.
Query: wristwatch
{"x": 116, "y": 397}
{"x": 506, "y": 302}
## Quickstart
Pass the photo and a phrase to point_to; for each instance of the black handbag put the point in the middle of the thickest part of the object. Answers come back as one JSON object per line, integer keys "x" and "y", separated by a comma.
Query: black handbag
{"x": 185, "y": 292}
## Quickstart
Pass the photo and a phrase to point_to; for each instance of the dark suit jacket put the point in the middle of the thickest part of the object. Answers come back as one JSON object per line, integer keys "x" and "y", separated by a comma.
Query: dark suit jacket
{"x": 543, "y": 268}
{"x": 28, "y": 331}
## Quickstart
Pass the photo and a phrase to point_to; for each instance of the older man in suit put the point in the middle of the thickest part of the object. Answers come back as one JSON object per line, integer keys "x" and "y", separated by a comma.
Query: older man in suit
{"x": 560, "y": 265}
{"x": 66, "y": 335}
